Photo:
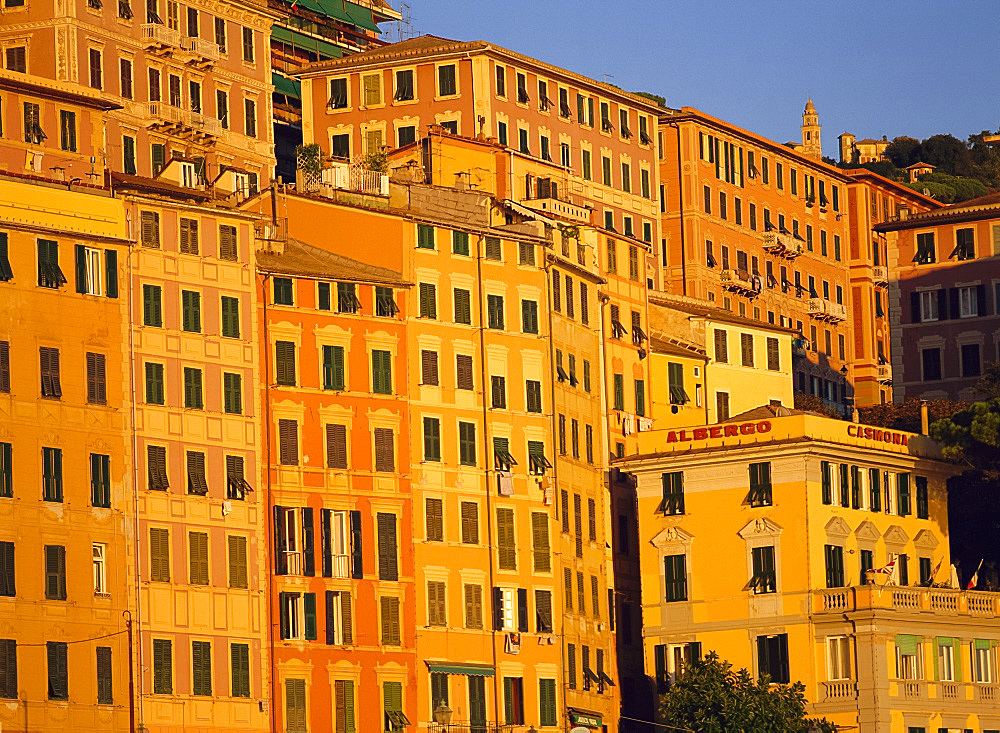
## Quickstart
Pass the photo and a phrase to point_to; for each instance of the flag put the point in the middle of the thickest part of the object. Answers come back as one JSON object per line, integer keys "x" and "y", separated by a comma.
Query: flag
{"x": 934, "y": 572}
{"x": 888, "y": 569}
{"x": 974, "y": 580}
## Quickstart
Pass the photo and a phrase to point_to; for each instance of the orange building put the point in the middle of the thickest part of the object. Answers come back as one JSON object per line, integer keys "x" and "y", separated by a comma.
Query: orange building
{"x": 762, "y": 231}
{"x": 188, "y": 81}
{"x": 872, "y": 199}
{"x": 341, "y": 590}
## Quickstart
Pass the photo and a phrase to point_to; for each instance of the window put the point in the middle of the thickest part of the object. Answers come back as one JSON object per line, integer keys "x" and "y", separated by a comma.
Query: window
{"x": 288, "y": 442}
{"x": 237, "y": 549}
{"x": 764, "y": 579}
{"x": 97, "y": 392}
{"x": 432, "y": 439}
{"x": 721, "y": 346}
{"x": 387, "y": 554}
{"x": 494, "y": 305}
{"x": 982, "y": 661}
{"x": 248, "y": 51}
{"x": 197, "y": 481}
{"x": 389, "y": 607}
{"x": 470, "y": 517}
{"x": 760, "y": 484}
{"x": 498, "y": 391}
{"x": 428, "y": 300}
{"x": 230, "y": 317}
{"x": 772, "y": 657}
{"x": 100, "y": 480}
{"x": 58, "y": 675}
{"x": 381, "y": 372}
{"x": 722, "y": 406}
{"x": 96, "y": 75}
{"x": 6, "y": 470}
{"x": 404, "y": 86}
{"x": 673, "y": 493}
{"x": 640, "y": 397}
{"x": 965, "y": 246}
{"x": 55, "y": 572}
{"x": 385, "y": 303}
{"x": 250, "y": 117}
{"x": 239, "y": 664}
{"x": 436, "y": 603}
{"x": 16, "y": 56}
{"x": 463, "y": 372}
{"x": 447, "y": 84}
{"x": 675, "y": 578}
{"x": 193, "y": 396}
{"x": 506, "y": 542}
{"x": 333, "y": 367}
{"x": 198, "y": 557}
{"x": 968, "y": 301}
{"x": 284, "y": 363}
{"x": 834, "y": 566}
{"x": 926, "y": 253}
{"x": 922, "y": 498}
{"x": 384, "y": 450}
{"x": 746, "y": 349}
{"x": 49, "y": 273}
{"x": 533, "y": 395}
{"x": 52, "y": 478}
{"x": 931, "y": 361}
{"x": 619, "y": 391}
{"x": 513, "y": 700}
{"x": 838, "y": 658}
{"x": 463, "y": 306}
{"x": 232, "y": 391}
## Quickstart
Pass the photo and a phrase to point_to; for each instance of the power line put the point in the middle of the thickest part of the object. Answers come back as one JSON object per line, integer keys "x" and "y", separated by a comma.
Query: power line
{"x": 78, "y": 641}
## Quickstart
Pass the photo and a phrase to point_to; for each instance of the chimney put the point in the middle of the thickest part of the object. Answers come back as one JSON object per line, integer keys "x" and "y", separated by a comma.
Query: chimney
{"x": 925, "y": 419}
{"x": 903, "y": 212}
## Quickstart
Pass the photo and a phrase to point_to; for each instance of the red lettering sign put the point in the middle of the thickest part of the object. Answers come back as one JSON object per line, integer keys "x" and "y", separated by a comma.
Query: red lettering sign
{"x": 877, "y": 436}
{"x": 728, "y": 430}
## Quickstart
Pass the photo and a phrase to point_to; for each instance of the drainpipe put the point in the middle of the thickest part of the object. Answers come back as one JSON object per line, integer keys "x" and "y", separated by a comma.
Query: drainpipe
{"x": 268, "y": 521}
{"x": 487, "y": 462}
{"x": 680, "y": 208}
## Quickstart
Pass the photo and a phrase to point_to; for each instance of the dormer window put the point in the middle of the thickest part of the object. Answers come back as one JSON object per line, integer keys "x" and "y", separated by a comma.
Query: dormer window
{"x": 189, "y": 178}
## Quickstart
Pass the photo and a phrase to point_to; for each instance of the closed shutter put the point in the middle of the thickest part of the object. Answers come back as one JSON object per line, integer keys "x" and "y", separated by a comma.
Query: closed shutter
{"x": 8, "y": 669}
{"x": 390, "y": 620}
{"x": 381, "y": 372}
{"x": 150, "y": 227}
{"x": 56, "y": 652}
{"x": 105, "y": 695}
{"x": 547, "y": 702}
{"x": 463, "y": 306}
{"x": 473, "y": 606}
{"x": 497, "y": 608}
{"x": 227, "y": 243}
{"x": 592, "y": 519}
{"x": 197, "y": 482}
{"x": 384, "y": 451}
{"x": 428, "y": 300}
{"x": 505, "y": 539}
{"x": 773, "y": 355}
{"x": 191, "y": 311}
{"x": 240, "y": 666}
{"x": 55, "y": 572}
{"x": 189, "y": 236}
{"x": 463, "y": 372}
{"x": 5, "y": 367}
{"x": 82, "y": 281}
{"x": 96, "y": 379}
{"x": 470, "y": 523}
{"x": 152, "y": 309}
{"x": 201, "y": 662}
{"x": 429, "y": 367}
{"x": 540, "y": 542}
{"x": 295, "y": 706}
{"x": 357, "y": 556}
{"x": 346, "y": 617}
{"x": 308, "y": 542}
{"x": 238, "y": 573}
{"x": 522, "y": 609}
{"x": 159, "y": 555}
{"x": 284, "y": 363}
{"x": 309, "y": 615}
{"x": 595, "y": 596}
{"x": 288, "y": 442}
{"x": 8, "y": 586}
{"x": 387, "y": 552}
{"x": 571, "y": 665}
{"x": 163, "y": 663}
{"x": 336, "y": 446}
{"x": 344, "y": 706}
{"x": 435, "y": 603}
{"x": 199, "y": 557}
{"x": 230, "y": 317}
{"x": 434, "y": 520}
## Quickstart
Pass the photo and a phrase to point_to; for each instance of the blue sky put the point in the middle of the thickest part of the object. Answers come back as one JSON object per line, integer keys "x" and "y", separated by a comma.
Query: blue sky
{"x": 873, "y": 68}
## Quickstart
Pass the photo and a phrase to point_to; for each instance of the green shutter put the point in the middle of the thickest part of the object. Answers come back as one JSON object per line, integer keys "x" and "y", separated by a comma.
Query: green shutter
{"x": 309, "y": 607}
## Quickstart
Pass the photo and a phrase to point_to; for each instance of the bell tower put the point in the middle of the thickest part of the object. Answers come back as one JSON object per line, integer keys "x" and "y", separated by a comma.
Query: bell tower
{"x": 811, "y": 144}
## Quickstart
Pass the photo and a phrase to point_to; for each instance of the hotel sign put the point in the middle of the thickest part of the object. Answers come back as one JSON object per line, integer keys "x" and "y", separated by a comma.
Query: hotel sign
{"x": 732, "y": 430}
{"x": 877, "y": 435}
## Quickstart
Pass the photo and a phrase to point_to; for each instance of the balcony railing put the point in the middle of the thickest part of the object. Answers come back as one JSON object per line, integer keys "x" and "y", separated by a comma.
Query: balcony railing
{"x": 157, "y": 34}
{"x": 880, "y": 274}
{"x": 560, "y": 208}
{"x": 181, "y": 121}
{"x": 781, "y": 246}
{"x": 840, "y": 690}
{"x": 741, "y": 282}
{"x": 826, "y": 310}
{"x": 201, "y": 47}
{"x": 884, "y": 373}
{"x": 341, "y": 566}
{"x": 936, "y": 601}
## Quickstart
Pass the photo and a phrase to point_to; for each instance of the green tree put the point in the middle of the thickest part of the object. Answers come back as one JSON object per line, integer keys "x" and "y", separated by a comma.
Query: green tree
{"x": 947, "y": 153}
{"x": 906, "y": 416}
{"x": 660, "y": 101}
{"x": 708, "y": 696}
{"x": 903, "y": 151}
{"x": 940, "y": 191}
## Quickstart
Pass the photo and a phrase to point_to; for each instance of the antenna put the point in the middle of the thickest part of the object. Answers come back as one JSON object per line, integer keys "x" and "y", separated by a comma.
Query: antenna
{"x": 404, "y": 26}
{"x": 608, "y": 76}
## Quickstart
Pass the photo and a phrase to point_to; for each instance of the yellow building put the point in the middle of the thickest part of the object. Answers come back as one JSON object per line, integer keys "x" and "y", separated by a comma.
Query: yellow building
{"x": 709, "y": 363}
{"x": 812, "y": 505}
{"x": 65, "y": 471}
{"x": 200, "y": 537}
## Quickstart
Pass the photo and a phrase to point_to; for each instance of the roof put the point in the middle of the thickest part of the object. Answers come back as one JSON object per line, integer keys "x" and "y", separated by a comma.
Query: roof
{"x": 713, "y": 313}
{"x": 919, "y": 165}
{"x": 305, "y": 260}
{"x": 157, "y": 186}
{"x": 428, "y": 46}
{"x": 984, "y": 207}
{"x": 765, "y": 412}
{"x": 870, "y": 141}
{"x": 660, "y": 343}
{"x": 53, "y": 89}
{"x": 691, "y": 114}
{"x": 898, "y": 187}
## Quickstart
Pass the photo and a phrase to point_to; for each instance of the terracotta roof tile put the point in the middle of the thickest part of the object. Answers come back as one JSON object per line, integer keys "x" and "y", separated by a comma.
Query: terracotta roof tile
{"x": 299, "y": 258}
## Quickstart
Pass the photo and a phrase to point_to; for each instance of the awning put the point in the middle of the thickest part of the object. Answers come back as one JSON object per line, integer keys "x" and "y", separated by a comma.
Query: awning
{"x": 471, "y": 670}
{"x": 307, "y": 43}
{"x": 361, "y": 16}
{"x": 335, "y": 9}
{"x": 589, "y": 718}
{"x": 286, "y": 86}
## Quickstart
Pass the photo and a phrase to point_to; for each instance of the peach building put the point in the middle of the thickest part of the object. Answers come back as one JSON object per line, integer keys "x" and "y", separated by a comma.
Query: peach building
{"x": 200, "y": 539}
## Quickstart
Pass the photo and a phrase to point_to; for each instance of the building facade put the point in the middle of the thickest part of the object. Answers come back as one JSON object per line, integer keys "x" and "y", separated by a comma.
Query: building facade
{"x": 944, "y": 297}
{"x": 815, "y": 506}
{"x": 762, "y": 231}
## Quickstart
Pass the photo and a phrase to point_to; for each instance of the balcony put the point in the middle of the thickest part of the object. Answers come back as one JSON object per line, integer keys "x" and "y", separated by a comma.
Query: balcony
{"x": 202, "y": 53}
{"x": 781, "y": 246}
{"x": 883, "y": 373}
{"x": 839, "y": 690}
{"x": 740, "y": 282}
{"x": 341, "y": 566}
{"x": 559, "y": 209}
{"x": 933, "y": 601}
{"x": 271, "y": 236}
{"x": 826, "y": 310}
{"x": 880, "y": 274}
{"x": 160, "y": 40}
{"x": 181, "y": 122}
